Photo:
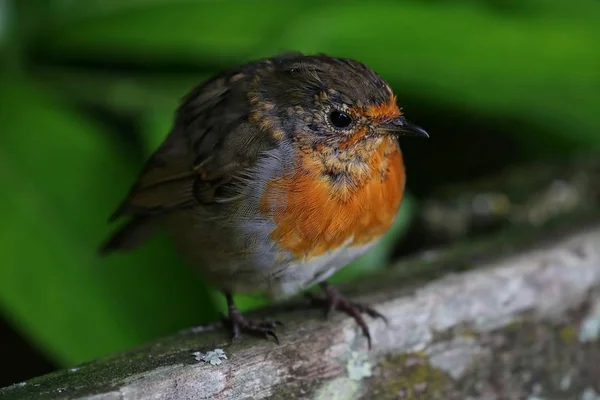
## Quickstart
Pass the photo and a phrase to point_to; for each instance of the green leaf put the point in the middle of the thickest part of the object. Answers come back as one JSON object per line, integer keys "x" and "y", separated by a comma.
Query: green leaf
{"x": 536, "y": 62}
{"x": 61, "y": 177}
{"x": 186, "y": 31}
{"x": 119, "y": 92}
{"x": 541, "y": 70}
{"x": 529, "y": 61}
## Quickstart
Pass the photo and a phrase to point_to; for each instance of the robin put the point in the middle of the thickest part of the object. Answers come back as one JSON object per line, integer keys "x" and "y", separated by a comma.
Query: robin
{"x": 276, "y": 174}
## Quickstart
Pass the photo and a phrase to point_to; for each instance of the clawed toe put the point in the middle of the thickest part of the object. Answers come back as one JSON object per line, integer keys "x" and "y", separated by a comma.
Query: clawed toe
{"x": 334, "y": 300}
{"x": 239, "y": 324}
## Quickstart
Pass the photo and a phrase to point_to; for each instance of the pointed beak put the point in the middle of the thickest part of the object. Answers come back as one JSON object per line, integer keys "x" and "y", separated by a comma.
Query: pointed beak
{"x": 401, "y": 127}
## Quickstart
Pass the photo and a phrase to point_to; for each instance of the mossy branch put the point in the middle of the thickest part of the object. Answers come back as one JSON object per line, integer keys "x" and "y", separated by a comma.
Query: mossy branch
{"x": 510, "y": 315}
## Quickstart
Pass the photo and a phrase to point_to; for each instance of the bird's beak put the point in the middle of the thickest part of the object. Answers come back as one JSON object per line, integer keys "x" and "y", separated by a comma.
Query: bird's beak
{"x": 401, "y": 127}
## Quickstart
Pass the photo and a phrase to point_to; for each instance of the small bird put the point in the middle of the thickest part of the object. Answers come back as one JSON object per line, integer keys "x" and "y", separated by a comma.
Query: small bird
{"x": 276, "y": 174}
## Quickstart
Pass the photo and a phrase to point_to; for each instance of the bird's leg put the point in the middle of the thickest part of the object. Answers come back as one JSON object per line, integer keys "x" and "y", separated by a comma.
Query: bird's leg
{"x": 238, "y": 323}
{"x": 334, "y": 300}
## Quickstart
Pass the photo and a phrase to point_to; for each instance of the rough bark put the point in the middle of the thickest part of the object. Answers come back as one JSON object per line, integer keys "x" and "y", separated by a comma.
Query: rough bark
{"x": 526, "y": 323}
{"x": 513, "y": 315}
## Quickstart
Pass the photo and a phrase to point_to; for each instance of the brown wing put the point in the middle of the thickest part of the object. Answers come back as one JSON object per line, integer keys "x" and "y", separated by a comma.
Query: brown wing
{"x": 210, "y": 144}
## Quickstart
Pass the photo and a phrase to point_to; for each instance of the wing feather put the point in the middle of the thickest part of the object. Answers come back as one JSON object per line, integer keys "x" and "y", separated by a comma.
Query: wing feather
{"x": 211, "y": 147}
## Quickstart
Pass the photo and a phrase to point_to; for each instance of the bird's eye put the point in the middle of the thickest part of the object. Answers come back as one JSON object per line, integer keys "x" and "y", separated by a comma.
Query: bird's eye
{"x": 340, "y": 119}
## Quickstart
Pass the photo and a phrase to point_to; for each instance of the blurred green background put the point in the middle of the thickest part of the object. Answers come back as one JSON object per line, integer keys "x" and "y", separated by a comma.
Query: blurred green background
{"x": 88, "y": 90}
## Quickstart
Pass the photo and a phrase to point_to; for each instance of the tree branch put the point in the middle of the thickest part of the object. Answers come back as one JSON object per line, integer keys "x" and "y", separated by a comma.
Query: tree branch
{"x": 522, "y": 323}
{"x": 511, "y": 315}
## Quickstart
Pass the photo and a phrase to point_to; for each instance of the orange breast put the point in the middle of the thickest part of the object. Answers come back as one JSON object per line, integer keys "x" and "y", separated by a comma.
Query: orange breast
{"x": 313, "y": 215}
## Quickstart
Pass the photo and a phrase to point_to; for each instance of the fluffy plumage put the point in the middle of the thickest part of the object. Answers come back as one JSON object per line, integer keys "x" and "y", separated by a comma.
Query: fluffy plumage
{"x": 259, "y": 189}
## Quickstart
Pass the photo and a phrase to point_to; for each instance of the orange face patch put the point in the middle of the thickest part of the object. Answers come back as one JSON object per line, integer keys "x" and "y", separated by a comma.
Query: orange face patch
{"x": 384, "y": 111}
{"x": 312, "y": 218}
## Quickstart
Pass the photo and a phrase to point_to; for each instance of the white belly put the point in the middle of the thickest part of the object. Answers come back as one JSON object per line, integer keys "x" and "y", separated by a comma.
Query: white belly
{"x": 302, "y": 274}
{"x": 230, "y": 244}
{"x": 267, "y": 270}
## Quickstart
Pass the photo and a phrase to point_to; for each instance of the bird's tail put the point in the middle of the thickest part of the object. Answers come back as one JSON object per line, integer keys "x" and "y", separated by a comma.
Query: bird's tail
{"x": 131, "y": 235}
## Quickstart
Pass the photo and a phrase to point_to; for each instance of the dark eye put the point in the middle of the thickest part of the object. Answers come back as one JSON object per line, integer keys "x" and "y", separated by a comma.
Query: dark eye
{"x": 340, "y": 119}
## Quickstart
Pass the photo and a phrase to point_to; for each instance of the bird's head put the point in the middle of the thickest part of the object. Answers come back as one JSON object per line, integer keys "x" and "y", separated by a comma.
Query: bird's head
{"x": 332, "y": 104}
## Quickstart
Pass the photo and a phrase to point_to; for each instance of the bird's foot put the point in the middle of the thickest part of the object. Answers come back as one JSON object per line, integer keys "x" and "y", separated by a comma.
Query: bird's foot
{"x": 238, "y": 323}
{"x": 334, "y": 300}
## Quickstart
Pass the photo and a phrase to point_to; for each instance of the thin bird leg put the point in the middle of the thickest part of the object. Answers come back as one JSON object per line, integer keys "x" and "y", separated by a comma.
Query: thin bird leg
{"x": 238, "y": 323}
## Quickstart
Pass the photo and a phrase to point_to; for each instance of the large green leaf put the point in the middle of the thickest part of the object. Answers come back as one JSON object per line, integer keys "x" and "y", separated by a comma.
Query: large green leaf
{"x": 122, "y": 93}
{"x": 61, "y": 177}
{"x": 542, "y": 70}
{"x": 183, "y": 31}
{"x": 536, "y": 62}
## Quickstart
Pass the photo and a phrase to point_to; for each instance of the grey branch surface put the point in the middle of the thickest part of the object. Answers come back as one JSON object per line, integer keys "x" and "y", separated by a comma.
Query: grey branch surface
{"x": 515, "y": 315}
